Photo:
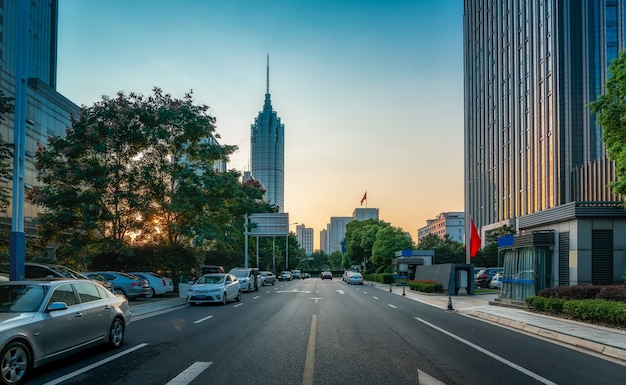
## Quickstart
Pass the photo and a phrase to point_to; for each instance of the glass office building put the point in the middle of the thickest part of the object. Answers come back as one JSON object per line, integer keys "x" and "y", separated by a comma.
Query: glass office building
{"x": 47, "y": 111}
{"x": 534, "y": 156}
{"x": 267, "y": 152}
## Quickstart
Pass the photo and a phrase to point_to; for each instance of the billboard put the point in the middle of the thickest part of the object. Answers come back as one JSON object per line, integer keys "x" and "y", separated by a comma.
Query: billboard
{"x": 269, "y": 224}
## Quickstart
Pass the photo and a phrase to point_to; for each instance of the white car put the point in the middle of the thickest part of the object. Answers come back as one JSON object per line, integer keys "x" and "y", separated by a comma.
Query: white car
{"x": 496, "y": 282}
{"x": 213, "y": 288}
{"x": 159, "y": 285}
{"x": 267, "y": 278}
{"x": 353, "y": 278}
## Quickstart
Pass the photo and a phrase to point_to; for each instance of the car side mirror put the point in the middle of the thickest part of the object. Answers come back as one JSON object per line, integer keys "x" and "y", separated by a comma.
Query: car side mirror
{"x": 54, "y": 306}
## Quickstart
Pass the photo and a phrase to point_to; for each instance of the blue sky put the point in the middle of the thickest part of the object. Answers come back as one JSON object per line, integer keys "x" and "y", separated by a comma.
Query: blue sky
{"x": 370, "y": 92}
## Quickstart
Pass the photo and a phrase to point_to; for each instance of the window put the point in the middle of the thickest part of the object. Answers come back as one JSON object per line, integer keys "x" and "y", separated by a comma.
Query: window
{"x": 87, "y": 292}
{"x": 64, "y": 293}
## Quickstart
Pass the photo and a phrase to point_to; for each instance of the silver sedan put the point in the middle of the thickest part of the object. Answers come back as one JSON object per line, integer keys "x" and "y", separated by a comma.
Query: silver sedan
{"x": 41, "y": 321}
{"x": 219, "y": 288}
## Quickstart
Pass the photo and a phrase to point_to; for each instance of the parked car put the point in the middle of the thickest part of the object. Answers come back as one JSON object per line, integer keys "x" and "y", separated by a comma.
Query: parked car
{"x": 159, "y": 284}
{"x": 217, "y": 287}
{"x": 127, "y": 285}
{"x": 210, "y": 269}
{"x": 48, "y": 270}
{"x": 326, "y": 275}
{"x": 296, "y": 274}
{"x": 267, "y": 278}
{"x": 484, "y": 276}
{"x": 39, "y": 322}
{"x": 496, "y": 282}
{"x": 354, "y": 278}
{"x": 248, "y": 278}
{"x": 285, "y": 276}
{"x": 306, "y": 275}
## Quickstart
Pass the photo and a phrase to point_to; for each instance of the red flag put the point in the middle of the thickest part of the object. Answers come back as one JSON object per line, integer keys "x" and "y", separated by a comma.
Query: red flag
{"x": 474, "y": 240}
{"x": 364, "y": 198}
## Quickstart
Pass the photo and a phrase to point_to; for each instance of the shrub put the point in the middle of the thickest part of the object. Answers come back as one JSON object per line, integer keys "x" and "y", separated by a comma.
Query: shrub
{"x": 552, "y": 305}
{"x": 613, "y": 293}
{"x": 610, "y": 313}
{"x": 426, "y": 286}
{"x": 571, "y": 292}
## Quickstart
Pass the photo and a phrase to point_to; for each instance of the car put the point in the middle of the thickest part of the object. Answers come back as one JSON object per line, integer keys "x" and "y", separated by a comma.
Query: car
{"x": 354, "y": 278}
{"x": 34, "y": 270}
{"x": 209, "y": 269}
{"x": 485, "y": 275}
{"x": 214, "y": 288}
{"x": 267, "y": 278}
{"x": 159, "y": 285}
{"x": 306, "y": 275}
{"x": 496, "y": 282}
{"x": 129, "y": 286}
{"x": 248, "y": 278}
{"x": 296, "y": 274}
{"x": 285, "y": 276}
{"x": 39, "y": 322}
{"x": 326, "y": 275}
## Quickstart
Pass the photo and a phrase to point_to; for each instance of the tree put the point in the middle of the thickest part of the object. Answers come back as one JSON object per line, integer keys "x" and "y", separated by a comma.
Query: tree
{"x": 610, "y": 108}
{"x": 133, "y": 168}
{"x": 360, "y": 237}
{"x": 389, "y": 240}
{"x": 489, "y": 255}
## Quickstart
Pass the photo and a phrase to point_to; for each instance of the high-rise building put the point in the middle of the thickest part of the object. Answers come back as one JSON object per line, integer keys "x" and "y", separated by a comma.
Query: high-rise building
{"x": 451, "y": 224}
{"x": 534, "y": 156}
{"x": 304, "y": 235}
{"x": 267, "y": 151}
{"x": 362, "y": 214}
{"x": 324, "y": 240}
{"x": 336, "y": 231}
{"x": 47, "y": 111}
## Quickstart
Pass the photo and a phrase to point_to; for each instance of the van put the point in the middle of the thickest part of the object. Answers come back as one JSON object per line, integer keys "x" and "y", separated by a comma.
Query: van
{"x": 248, "y": 278}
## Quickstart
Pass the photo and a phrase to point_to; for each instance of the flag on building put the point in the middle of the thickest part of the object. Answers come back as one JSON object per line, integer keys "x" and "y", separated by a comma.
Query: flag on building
{"x": 474, "y": 240}
{"x": 364, "y": 198}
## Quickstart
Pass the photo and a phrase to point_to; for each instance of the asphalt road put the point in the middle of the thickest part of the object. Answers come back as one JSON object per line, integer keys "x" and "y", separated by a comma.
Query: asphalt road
{"x": 315, "y": 332}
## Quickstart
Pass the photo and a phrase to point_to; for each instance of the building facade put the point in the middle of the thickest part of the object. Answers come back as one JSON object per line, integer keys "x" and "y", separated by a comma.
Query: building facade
{"x": 324, "y": 241}
{"x": 362, "y": 214}
{"x": 534, "y": 156}
{"x": 47, "y": 112}
{"x": 336, "y": 231}
{"x": 267, "y": 151}
{"x": 451, "y": 224}
{"x": 304, "y": 235}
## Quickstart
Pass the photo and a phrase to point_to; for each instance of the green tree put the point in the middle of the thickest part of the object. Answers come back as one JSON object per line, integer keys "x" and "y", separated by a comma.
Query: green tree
{"x": 446, "y": 249}
{"x": 489, "y": 255}
{"x": 610, "y": 108}
{"x": 334, "y": 260}
{"x": 389, "y": 240}
{"x": 360, "y": 237}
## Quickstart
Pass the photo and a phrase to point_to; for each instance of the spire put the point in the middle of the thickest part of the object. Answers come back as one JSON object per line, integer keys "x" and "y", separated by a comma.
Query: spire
{"x": 267, "y": 86}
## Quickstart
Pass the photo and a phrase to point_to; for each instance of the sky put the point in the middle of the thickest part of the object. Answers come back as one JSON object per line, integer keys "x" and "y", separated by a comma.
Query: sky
{"x": 370, "y": 92}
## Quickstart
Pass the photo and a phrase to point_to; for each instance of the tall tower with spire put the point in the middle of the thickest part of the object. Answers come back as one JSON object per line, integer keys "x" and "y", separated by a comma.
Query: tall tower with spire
{"x": 267, "y": 150}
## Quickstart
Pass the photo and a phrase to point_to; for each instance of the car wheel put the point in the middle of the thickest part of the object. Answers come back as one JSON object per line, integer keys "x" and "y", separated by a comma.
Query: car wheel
{"x": 224, "y": 299}
{"x": 117, "y": 290}
{"x": 238, "y": 297}
{"x": 273, "y": 282}
{"x": 192, "y": 304}
{"x": 15, "y": 364}
{"x": 249, "y": 288}
{"x": 116, "y": 334}
{"x": 151, "y": 294}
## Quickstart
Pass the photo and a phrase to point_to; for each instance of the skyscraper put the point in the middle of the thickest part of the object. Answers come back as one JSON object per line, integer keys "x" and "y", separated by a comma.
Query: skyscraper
{"x": 267, "y": 150}
{"x": 47, "y": 111}
{"x": 534, "y": 156}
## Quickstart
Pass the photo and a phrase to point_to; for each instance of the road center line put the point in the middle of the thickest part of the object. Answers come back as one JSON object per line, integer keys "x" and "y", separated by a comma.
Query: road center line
{"x": 309, "y": 361}
{"x": 190, "y": 373}
{"x": 94, "y": 365}
{"x": 490, "y": 354}
{"x": 390, "y": 305}
{"x": 203, "y": 319}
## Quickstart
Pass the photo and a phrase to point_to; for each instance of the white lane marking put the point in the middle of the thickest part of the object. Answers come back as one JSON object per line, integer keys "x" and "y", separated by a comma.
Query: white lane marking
{"x": 425, "y": 379}
{"x": 364, "y": 292}
{"x": 340, "y": 292}
{"x": 258, "y": 296}
{"x": 294, "y": 291}
{"x": 490, "y": 354}
{"x": 237, "y": 304}
{"x": 376, "y": 298}
{"x": 190, "y": 373}
{"x": 203, "y": 319}
{"x": 390, "y": 305}
{"x": 94, "y": 365}
{"x": 309, "y": 360}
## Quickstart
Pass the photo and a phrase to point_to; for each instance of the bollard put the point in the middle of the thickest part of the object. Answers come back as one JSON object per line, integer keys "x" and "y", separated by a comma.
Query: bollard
{"x": 390, "y": 290}
{"x": 450, "y": 303}
{"x": 403, "y": 292}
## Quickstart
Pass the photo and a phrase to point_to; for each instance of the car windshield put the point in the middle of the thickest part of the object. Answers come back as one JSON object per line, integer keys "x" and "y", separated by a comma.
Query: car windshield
{"x": 21, "y": 298}
{"x": 67, "y": 273}
{"x": 212, "y": 279}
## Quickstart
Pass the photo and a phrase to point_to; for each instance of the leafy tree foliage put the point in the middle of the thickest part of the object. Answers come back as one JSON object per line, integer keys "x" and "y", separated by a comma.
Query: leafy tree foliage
{"x": 141, "y": 169}
{"x": 389, "y": 240}
{"x": 610, "y": 108}
{"x": 488, "y": 256}
{"x": 446, "y": 249}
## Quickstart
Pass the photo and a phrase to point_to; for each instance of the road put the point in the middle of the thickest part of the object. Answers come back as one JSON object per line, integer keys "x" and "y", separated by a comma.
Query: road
{"x": 316, "y": 332}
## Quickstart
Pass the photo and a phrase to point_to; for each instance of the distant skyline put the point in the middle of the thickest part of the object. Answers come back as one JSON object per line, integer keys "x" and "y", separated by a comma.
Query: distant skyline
{"x": 370, "y": 92}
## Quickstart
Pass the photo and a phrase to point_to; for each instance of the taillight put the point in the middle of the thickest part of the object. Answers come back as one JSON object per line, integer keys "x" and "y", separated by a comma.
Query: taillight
{"x": 163, "y": 282}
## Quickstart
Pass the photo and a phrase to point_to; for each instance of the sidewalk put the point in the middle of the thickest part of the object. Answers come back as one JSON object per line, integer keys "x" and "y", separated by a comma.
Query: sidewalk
{"x": 602, "y": 340}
